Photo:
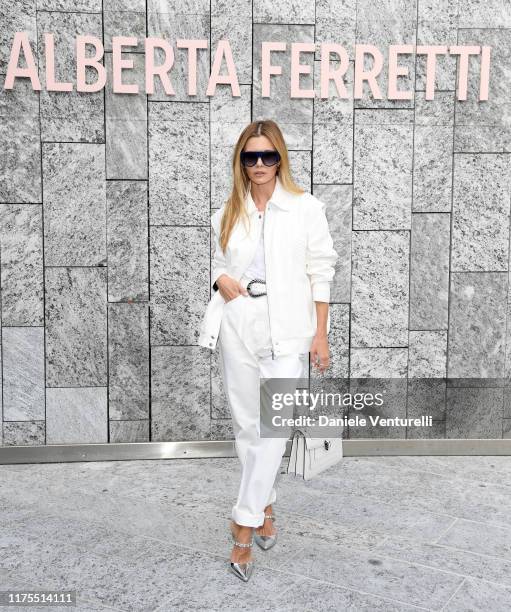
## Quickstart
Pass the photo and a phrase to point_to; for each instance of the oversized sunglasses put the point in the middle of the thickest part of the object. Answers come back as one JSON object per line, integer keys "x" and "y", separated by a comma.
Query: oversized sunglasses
{"x": 269, "y": 158}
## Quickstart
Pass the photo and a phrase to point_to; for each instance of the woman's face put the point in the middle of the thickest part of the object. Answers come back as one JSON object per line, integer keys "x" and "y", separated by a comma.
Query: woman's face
{"x": 260, "y": 173}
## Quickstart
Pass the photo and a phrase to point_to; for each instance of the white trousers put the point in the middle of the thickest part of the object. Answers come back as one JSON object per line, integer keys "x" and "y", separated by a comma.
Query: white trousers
{"x": 245, "y": 357}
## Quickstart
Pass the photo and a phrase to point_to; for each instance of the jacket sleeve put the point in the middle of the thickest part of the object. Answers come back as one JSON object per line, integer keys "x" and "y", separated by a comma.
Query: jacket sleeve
{"x": 218, "y": 263}
{"x": 321, "y": 256}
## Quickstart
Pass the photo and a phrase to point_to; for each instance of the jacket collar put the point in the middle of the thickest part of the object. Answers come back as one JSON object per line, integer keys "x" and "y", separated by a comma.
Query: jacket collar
{"x": 280, "y": 197}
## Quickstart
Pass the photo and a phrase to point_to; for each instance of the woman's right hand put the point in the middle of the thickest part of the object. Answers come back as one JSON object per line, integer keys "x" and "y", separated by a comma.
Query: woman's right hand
{"x": 229, "y": 287}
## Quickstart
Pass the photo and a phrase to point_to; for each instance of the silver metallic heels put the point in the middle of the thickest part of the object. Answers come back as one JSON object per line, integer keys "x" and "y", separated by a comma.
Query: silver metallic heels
{"x": 242, "y": 570}
{"x": 266, "y": 542}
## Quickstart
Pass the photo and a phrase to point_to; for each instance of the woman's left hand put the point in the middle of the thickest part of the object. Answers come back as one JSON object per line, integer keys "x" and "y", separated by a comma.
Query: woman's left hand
{"x": 320, "y": 355}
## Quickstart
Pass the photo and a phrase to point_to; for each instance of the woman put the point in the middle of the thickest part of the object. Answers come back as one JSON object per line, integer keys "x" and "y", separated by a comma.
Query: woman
{"x": 271, "y": 272}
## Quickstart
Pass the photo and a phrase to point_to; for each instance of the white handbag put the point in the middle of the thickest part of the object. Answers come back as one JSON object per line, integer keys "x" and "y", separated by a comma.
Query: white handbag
{"x": 310, "y": 456}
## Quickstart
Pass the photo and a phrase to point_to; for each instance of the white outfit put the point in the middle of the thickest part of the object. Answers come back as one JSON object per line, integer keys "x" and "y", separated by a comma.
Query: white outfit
{"x": 300, "y": 261}
{"x": 245, "y": 357}
{"x": 267, "y": 336}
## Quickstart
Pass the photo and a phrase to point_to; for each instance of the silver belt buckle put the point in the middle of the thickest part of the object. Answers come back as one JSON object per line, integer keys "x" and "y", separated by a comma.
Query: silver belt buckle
{"x": 256, "y": 287}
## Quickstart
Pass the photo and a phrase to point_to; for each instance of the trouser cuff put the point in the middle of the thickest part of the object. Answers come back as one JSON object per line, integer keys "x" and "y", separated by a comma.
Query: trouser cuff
{"x": 246, "y": 518}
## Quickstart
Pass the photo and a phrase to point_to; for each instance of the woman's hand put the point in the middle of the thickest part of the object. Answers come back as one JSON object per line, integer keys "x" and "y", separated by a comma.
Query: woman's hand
{"x": 320, "y": 355}
{"x": 229, "y": 287}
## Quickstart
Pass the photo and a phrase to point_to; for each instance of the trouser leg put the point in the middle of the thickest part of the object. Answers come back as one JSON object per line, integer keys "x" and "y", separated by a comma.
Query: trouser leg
{"x": 284, "y": 366}
{"x": 243, "y": 331}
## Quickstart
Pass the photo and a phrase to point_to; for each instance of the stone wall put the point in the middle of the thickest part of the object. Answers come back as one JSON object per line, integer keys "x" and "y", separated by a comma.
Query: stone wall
{"x": 105, "y": 201}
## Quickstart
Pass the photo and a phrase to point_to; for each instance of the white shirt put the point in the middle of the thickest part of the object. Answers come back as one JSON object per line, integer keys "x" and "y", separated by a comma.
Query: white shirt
{"x": 257, "y": 269}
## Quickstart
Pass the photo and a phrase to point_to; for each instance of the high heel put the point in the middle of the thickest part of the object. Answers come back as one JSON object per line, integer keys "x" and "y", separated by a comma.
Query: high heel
{"x": 242, "y": 570}
{"x": 263, "y": 541}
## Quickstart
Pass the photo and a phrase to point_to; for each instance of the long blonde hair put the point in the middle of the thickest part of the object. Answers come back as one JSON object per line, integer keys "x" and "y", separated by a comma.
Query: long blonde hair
{"x": 235, "y": 205}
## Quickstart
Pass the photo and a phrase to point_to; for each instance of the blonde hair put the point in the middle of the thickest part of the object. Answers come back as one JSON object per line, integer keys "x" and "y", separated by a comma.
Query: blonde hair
{"x": 235, "y": 205}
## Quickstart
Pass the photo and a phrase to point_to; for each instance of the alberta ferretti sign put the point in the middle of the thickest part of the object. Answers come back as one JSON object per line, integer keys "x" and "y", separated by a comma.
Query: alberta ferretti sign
{"x": 89, "y": 53}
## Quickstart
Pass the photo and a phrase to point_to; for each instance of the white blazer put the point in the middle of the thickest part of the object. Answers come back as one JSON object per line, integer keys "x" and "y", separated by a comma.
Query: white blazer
{"x": 300, "y": 265}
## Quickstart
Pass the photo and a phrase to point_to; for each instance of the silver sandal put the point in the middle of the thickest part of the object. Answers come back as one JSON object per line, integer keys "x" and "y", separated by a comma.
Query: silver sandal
{"x": 266, "y": 542}
{"x": 242, "y": 570}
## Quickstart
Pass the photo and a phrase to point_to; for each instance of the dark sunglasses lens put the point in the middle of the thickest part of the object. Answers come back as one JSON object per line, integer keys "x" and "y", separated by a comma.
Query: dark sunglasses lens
{"x": 248, "y": 158}
{"x": 270, "y": 158}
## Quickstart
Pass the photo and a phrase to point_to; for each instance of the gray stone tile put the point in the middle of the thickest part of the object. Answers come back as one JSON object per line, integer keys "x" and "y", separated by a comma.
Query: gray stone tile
{"x": 173, "y": 22}
{"x": 189, "y": 7}
{"x": 134, "y": 529}
{"x": 480, "y": 538}
{"x": 125, "y": 5}
{"x": 23, "y": 373}
{"x": 179, "y": 283}
{"x": 294, "y": 115}
{"x": 316, "y": 595}
{"x": 82, "y": 6}
{"x": 432, "y": 155}
{"x": 480, "y": 230}
{"x": 474, "y": 413}
{"x": 126, "y": 149}
{"x": 180, "y": 393}
{"x": 127, "y": 230}
{"x": 287, "y": 11}
{"x": 128, "y": 356}
{"x": 378, "y": 362}
{"x": 383, "y": 25}
{"x": 477, "y": 594}
{"x": 336, "y": 22}
{"x": 21, "y": 253}
{"x": 394, "y": 395}
{"x": 473, "y": 15}
{"x": 447, "y": 559}
{"x": 332, "y": 153}
{"x": 438, "y": 112}
{"x": 17, "y": 17}
{"x": 76, "y": 327}
{"x": 339, "y": 214}
{"x": 23, "y": 433}
{"x": 123, "y": 22}
{"x": 427, "y": 354}
{"x": 229, "y": 116}
{"x": 484, "y": 125}
{"x": 77, "y": 415}
{"x": 233, "y": 22}
{"x": 221, "y": 429}
{"x": 129, "y": 431}
{"x": 126, "y": 122}
{"x": 179, "y": 163}
{"x": 74, "y": 204}
{"x": 437, "y": 21}
{"x": 300, "y": 163}
{"x": 20, "y": 166}
{"x": 337, "y": 501}
{"x": 76, "y": 116}
{"x": 477, "y": 324}
{"x": 374, "y": 574}
{"x": 339, "y": 341}
{"x": 379, "y": 291}
{"x": 507, "y": 357}
{"x": 333, "y": 132}
{"x": 383, "y": 150}
{"x": 426, "y": 396}
{"x": 429, "y": 276}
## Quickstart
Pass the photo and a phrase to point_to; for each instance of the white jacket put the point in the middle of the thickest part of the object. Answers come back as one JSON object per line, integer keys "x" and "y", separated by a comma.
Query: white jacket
{"x": 299, "y": 260}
